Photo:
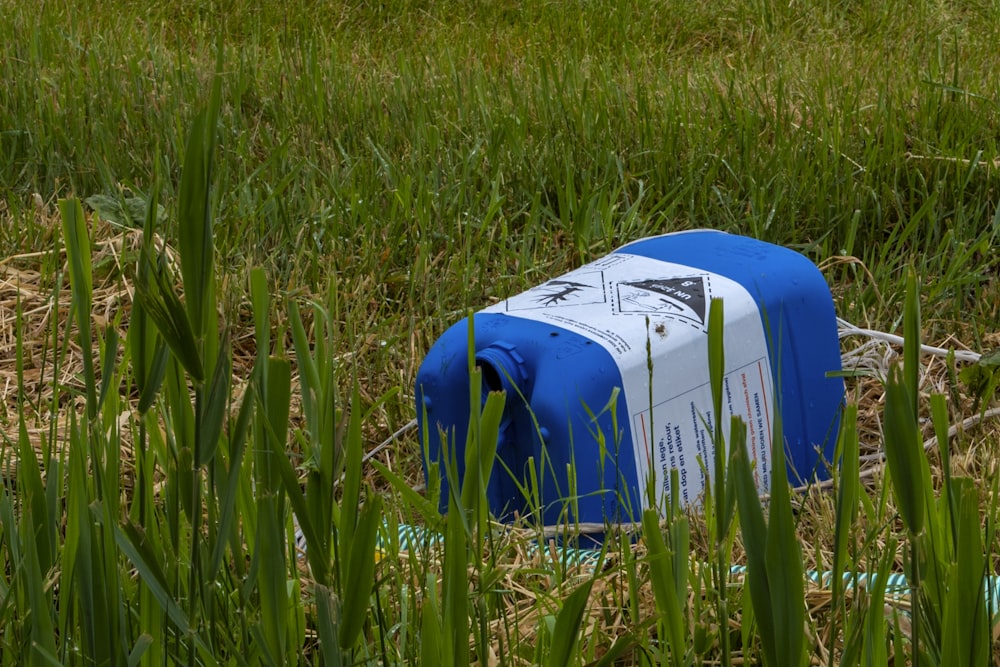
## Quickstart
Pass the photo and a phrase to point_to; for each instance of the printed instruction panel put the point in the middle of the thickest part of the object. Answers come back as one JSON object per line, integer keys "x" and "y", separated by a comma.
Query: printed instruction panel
{"x": 677, "y": 433}
{"x": 639, "y": 308}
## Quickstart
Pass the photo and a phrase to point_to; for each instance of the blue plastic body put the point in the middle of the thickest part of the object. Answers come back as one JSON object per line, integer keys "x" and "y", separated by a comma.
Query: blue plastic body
{"x": 582, "y": 460}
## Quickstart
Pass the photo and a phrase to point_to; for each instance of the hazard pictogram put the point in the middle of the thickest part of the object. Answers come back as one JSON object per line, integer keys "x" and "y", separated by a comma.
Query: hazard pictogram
{"x": 559, "y": 291}
{"x": 682, "y": 297}
{"x": 578, "y": 288}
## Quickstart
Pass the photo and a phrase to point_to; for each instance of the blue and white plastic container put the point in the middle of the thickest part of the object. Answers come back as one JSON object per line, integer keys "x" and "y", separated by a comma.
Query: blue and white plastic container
{"x": 606, "y": 374}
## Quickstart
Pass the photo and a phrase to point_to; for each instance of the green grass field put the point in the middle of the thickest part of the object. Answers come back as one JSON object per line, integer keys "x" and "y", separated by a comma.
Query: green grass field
{"x": 230, "y": 232}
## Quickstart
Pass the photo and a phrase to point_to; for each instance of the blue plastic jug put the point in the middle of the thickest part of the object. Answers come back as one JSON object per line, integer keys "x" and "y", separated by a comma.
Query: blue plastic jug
{"x": 606, "y": 377}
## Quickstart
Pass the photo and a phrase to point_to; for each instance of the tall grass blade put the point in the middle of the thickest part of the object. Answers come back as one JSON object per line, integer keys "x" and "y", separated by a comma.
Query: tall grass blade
{"x": 81, "y": 278}
{"x": 136, "y": 547}
{"x": 228, "y": 492}
{"x": 480, "y": 458}
{"x": 309, "y": 379}
{"x": 848, "y": 490}
{"x": 37, "y": 505}
{"x": 724, "y": 503}
{"x": 195, "y": 212}
{"x": 77, "y": 549}
{"x": 260, "y": 298}
{"x": 784, "y": 561}
{"x": 939, "y": 418}
{"x": 876, "y": 640}
{"x": 326, "y": 625}
{"x": 967, "y": 629}
{"x": 91, "y": 571}
{"x": 147, "y": 351}
{"x": 360, "y": 573}
{"x": 455, "y": 622}
{"x": 11, "y": 542}
{"x": 196, "y": 246}
{"x": 275, "y": 398}
{"x": 721, "y": 488}
{"x": 319, "y": 560}
{"x": 911, "y": 340}
{"x": 155, "y": 292}
{"x": 432, "y": 644}
{"x": 755, "y": 542}
{"x": 142, "y": 645}
{"x": 670, "y": 607}
{"x": 214, "y": 407}
{"x": 110, "y": 362}
{"x": 567, "y": 630}
{"x": 350, "y": 500}
{"x": 425, "y": 508}
{"x": 34, "y": 501}
{"x": 903, "y": 452}
{"x": 909, "y": 473}
{"x": 32, "y": 583}
{"x": 938, "y": 545}
{"x": 270, "y": 556}
{"x": 273, "y": 376}
{"x": 180, "y": 437}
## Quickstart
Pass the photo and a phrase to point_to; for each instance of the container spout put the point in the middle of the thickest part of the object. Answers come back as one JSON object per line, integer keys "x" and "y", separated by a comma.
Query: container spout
{"x": 503, "y": 369}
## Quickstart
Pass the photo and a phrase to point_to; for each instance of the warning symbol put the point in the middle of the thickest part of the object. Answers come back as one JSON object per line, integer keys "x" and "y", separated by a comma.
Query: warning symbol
{"x": 680, "y": 297}
{"x": 576, "y": 288}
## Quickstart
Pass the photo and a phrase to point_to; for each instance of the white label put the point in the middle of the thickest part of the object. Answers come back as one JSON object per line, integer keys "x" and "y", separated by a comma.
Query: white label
{"x": 624, "y": 302}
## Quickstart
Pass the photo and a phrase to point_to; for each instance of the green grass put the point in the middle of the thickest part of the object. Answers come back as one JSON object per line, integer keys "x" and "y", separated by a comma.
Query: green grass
{"x": 359, "y": 178}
